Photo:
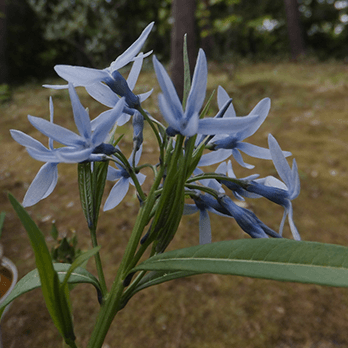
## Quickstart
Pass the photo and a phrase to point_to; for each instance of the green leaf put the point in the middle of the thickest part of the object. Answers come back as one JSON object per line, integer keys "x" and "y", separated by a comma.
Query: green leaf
{"x": 99, "y": 175}
{"x": 2, "y": 219}
{"x": 55, "y": 303}
{"x": 85, "y": 188}
{"x": 31, "y": 281}
{"x": 78, "y": 262}
{"x": 277, "y": 259}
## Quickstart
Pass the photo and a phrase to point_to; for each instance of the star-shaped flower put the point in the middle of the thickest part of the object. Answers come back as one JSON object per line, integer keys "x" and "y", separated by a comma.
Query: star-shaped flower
{"x": 120, "y": 189}
{"x": 88, "y": 146}
{"x": 188, "y": 122}
{"x": 105, "y": 85}
{"x": 281, "y": 193}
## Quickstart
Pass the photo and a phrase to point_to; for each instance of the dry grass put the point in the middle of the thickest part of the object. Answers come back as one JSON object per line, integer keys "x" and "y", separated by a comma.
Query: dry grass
{"x": 309, "y": 116}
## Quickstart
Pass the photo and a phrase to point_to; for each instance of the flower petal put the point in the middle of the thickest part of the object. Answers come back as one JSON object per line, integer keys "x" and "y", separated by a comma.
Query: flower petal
{"x": 168, "y": 89}
{"x": 132, "y": 50}
{"x": 26, "y": 140}
{"x": 58, "y": 133}
{"x": 212, "y": 126}
{"x": 42, "y": 185}
{"x": 204, "y": 227}
{"x": 79, "y": 76}
{"x": 106, "y": 123}
{"x": 196, "y": 96}
{"x": 279, "y": 161}
{"x": 103, "y": 94}
{"x": 117, "y": 193}
{"x": 222, "y": 98}
{"x": 81, "y": 117}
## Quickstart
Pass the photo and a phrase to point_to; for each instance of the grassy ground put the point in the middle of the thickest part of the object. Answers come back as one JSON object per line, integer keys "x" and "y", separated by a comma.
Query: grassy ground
{"x": 309, "y": 116}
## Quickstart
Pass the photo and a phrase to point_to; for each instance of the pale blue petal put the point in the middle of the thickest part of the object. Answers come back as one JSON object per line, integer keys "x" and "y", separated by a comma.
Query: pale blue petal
{"x": 43, "y": 155}
{"x": 222, "y": 98}
{"x": 105, "y": 125}
{"x": 56, "y": 86}
{"x": 295, "y": 186}
{"x": 58, "y": 133}
{"x": 50, "y": 140}
{"x": 293, "y": 228}
{"x": 238, "y": 157}
{"x": 26, "y": 140}
{"x": 255, "y": 151}
{"x": 117, "y": 193}
{"x": 80, "y": 76}
{"x": 73, "y": 155}
{"x": 42, "y": 185}
{"x": 103, "y": 94}
{"x": 261, "y": 110}
{"x": 144, "y": 96}
{"x": 196, "y": 96}
{"x": 124, "y": 118}
{"x": 132, "y": 50}
{"x": 204, "y": 227}
{"x": 227, "y": 125}
{"x": 214, "y": 157}
{"x": 190, "y": 128}
{"x": 135, "y": 71}
{"x": 279, "y": 161}
{"x": 113, "y": 174}
{"x": 168, "y": 113}
{"x": 190, "y": 209}
{"x": 168, "y": 89}
{"x": 81, "y": 117}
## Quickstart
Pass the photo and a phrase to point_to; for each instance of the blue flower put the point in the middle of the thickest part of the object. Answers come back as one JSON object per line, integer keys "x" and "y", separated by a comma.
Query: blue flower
{"x": 46, "y": 179}
{"x": 88, "y": 146}
{"x": 277, "y": 191}
{"x": 188, "y": 122}
{"x": 231, "y": 142}
{"x": 105, "y": 85}
{"x": 120, "y": 189}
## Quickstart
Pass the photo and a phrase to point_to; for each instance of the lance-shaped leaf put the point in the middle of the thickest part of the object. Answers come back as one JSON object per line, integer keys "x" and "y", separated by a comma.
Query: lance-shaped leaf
{"x": 277, "y": 259}
{"x": 55, "y": 300}
{"x": 31, "y": 281}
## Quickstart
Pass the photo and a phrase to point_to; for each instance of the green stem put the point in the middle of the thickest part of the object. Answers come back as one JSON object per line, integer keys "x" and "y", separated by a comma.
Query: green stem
{"x": 112, "y": 301}
{"x": 159, "y": 140}
{"x": 98, "y": 263}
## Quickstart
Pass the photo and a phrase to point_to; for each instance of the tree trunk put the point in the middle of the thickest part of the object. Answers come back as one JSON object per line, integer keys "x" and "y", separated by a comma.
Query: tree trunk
{"x": 184, "y": 23}
{"x": 297, "y": 45}
{"x": 3, "y": 65}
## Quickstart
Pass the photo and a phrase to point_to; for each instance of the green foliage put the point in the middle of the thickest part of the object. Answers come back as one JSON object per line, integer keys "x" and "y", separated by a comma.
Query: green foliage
{"x": 65, "y": 250}
{"x": 277, "y": 259}
{"x": 55, "y": 298}
{"x": 32, "y": 281}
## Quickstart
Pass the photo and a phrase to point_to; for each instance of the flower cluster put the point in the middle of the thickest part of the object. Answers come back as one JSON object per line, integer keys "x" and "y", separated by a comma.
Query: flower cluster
{"x": 187, "y": 142}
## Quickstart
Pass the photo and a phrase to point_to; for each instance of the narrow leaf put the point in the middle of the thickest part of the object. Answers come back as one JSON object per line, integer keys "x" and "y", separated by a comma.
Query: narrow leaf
{"x": 2, "y": 219}
{"x": 48, "y": 276}
{"x": 78, "y": 262}
{"x": 100, "y": 171}
{"x": 277, "y": 259}
{"x": 31, "y": 281}
{"x": 85, "y": 188}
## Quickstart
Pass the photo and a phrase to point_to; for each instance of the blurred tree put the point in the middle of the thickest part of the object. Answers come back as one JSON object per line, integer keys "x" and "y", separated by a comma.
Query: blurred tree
{"x": 3, "y": 22}
{"x": 297, "y": 45}
{"x": 184, "y": 23}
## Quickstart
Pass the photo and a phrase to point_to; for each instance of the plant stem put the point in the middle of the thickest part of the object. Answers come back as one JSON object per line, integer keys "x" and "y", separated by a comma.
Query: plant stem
{"x": 98, "y": 263}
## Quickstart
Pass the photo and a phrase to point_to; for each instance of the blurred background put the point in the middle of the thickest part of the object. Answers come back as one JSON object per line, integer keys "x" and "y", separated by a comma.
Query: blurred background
{"x": 294, "y": 52}
{"x": 37, "y": 34}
